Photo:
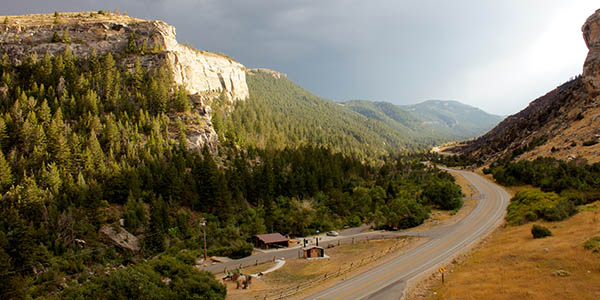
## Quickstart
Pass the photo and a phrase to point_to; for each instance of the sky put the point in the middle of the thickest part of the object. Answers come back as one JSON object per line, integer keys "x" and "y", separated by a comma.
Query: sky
{"x": 495, "y": 55}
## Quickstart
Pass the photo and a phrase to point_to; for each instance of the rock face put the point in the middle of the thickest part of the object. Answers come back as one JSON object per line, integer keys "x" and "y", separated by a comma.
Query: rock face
{"x": 563, "y": 124}
{"x": 204, "y": 75}
{"x": 120, "y": 238}
{"x": 199, "y": 71}
{"x": 591, "y": 68}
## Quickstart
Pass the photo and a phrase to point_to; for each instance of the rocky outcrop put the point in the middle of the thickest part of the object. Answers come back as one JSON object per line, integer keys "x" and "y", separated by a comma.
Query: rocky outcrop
{"x": 564, "y": 123}
{"x": 591, "y": 68}
{"x": 205, "y": 75}
{"x": 119, "y": 237}
{"x": 275, "y": 74}
{"x": 198, "y": 71}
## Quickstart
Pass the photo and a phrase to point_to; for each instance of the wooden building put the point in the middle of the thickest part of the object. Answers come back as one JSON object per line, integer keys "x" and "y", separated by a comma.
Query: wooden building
{"x": 270, "y": 240}
{"x": 314, "y": 252}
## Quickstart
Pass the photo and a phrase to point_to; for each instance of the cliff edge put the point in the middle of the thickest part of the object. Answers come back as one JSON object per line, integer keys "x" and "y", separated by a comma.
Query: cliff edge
{"x": 205, "y": 75}
{"x": 198, "y": 71}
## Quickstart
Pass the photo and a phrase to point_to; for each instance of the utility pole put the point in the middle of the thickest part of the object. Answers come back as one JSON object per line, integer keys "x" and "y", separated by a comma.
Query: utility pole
{"x": 203, "y": 223}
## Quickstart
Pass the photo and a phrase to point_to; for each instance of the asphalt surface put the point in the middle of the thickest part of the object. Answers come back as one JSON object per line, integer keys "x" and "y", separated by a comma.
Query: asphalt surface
{"x": 389, "y": 280}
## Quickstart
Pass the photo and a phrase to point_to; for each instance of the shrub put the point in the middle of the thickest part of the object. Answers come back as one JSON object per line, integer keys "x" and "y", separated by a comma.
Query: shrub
{"x": 590, "y": 143}
{"x": 593, "y": 244}
{"x": 102, "y": 12}
{"x": 444, "y": 194}
{"x": 539, "y": 231}
{"x": 146, "y": 281}
{"x": 532, "y": 205}
{"x": 562, "y": 210}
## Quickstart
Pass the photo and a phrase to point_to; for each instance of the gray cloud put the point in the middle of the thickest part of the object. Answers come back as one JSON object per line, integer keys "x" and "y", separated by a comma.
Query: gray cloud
{"x": 484, "y": 53}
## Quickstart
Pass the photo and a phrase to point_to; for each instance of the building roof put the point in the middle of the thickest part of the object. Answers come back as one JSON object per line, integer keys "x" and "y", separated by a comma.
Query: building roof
{"x": 269, "y": 238}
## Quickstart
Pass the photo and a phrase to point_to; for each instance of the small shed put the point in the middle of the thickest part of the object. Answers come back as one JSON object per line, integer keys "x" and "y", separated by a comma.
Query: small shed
{"x": 314, "y": 252}
{"x": 270, "y": 240}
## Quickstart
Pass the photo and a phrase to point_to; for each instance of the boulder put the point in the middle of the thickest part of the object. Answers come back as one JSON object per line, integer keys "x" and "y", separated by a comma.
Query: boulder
{"x": 591, "y": 68}
{"x": 119, "y": 237}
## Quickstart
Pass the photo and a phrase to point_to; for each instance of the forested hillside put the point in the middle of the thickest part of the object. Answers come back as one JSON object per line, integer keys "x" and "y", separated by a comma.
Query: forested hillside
{"x": 433, "y": 120}
{"x": 458, "y": 120}
{"x": 87, "y": 143}
{"x": 280, "y": 114}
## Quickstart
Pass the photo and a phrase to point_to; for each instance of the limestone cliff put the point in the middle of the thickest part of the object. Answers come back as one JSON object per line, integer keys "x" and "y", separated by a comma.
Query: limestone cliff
{"x": 591, "y": 68}
{"x": 564, "y": 123}
{"x": 204, "y": 74}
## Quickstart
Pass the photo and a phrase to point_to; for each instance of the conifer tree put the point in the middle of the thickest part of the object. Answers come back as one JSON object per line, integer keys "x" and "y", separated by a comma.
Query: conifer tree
{"x": 3, "y": 134}
{"x": 6, "y": 177}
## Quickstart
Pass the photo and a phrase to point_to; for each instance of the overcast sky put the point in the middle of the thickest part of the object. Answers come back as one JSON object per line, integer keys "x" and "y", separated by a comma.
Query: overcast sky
{"x": 496, "y": 55}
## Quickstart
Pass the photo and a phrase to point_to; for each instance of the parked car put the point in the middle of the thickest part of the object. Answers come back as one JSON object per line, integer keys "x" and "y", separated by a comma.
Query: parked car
{"x": 333, "y": 233}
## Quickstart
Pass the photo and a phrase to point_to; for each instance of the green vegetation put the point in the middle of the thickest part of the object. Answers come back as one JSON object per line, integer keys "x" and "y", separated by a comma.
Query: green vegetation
{"x": 86, "y": 142}
{"x": 593, "y": 244}
{"x": 280, "y": 113}
{"x": 458, "y": 120}
{"x": 535, "y": 143}
{"x": 531, "y": 205}
{"x": 456, "y": 160}
{"x": 429, "y": 122}
{"x": 164, "y": 277}
{"x": 539, "y": 231}
{"x": 551, "y": 175}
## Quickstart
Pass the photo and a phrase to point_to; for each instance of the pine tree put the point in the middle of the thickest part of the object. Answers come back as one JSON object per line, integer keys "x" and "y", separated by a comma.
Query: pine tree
{"x": 44, "y": 113}
{"x": 55, "y": 37}
{"x": 57, "y": 144}
{"x": 182, "y": 135}
{"x": 65, "y": 38}
{"x": 3, "y": 134}
{"x": 96, "y": 152}
{"x": 6, "y": 178}
{"x": 181, "y": 101}
{"x": 51, "y": 178}
{"x": 131, "y": 45}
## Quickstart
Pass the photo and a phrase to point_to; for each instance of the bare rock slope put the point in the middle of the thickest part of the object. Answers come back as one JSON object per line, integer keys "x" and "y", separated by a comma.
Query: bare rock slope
{"x": 564, "y": 123}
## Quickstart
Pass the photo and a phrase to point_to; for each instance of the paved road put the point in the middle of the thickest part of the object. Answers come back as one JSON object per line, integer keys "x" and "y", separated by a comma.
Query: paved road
{"x": 446, "y": 242}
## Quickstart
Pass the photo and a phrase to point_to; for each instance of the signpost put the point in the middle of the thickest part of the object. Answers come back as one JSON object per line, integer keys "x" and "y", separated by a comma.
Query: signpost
{"x": 203, "y": 223}
{"x": 442, "y": 270}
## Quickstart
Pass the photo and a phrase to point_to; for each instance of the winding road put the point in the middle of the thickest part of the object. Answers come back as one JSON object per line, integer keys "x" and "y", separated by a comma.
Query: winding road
{"x": 388, "y": 281}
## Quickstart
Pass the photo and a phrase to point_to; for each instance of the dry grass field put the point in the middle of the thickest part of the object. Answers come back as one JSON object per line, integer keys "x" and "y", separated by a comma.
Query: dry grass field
{"x": 513, "y": 265}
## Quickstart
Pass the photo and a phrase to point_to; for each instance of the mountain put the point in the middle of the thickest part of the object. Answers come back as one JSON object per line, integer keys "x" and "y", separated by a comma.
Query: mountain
{"x": 435, "y": 119}
{"x": 280, "y": 113}
{"x": 564, "y": 123}
{"x": 458, "y": 119}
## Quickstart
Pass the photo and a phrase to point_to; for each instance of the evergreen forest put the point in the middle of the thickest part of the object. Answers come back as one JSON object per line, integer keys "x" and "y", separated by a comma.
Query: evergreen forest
{"x": 86, "y": 142}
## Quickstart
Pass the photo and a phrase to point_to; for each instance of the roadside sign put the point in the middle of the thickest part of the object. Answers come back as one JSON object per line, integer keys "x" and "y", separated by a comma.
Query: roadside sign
{"x": 442, "y": 270}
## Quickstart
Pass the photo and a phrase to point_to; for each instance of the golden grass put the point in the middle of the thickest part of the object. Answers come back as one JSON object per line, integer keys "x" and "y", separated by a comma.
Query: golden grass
{"x": 67, "y": 18}
{"x": 513, "y": 265}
